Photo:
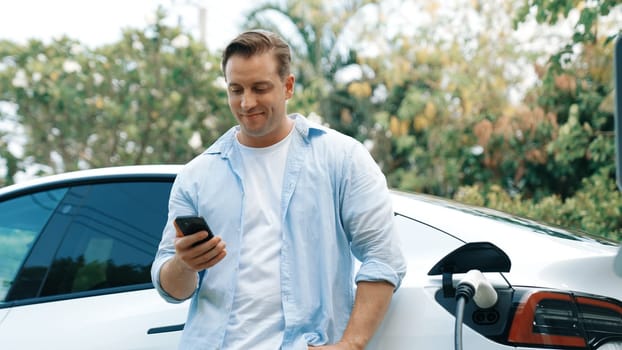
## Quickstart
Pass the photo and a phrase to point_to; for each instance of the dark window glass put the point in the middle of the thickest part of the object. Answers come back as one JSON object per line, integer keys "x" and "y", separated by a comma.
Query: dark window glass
{"x": 112, "y": 236}
{"x": 21, "y": 221}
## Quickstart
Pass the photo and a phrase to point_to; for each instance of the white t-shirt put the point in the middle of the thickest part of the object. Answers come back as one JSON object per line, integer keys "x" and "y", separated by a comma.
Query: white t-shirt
{"x": 256, "y": 320}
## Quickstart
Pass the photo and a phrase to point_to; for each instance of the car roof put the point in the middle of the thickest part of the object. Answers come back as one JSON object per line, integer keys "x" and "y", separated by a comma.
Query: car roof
{"x": 130, "y": 172}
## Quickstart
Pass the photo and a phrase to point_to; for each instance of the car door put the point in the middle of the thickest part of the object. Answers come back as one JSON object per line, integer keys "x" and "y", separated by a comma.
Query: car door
{"x": 78, "y": 275}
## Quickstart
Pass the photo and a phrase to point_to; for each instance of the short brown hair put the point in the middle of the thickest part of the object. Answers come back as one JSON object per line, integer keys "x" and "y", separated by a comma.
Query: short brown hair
{"x": 257, "y": 42}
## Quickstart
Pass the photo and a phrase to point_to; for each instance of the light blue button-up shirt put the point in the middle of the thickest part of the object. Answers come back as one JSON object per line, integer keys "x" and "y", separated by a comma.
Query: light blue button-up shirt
{"x": 335, "y": 206}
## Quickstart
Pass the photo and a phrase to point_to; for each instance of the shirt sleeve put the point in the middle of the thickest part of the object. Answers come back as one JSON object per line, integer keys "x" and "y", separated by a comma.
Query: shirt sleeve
{"x": 368, "y": 218}
{"x": 178, "y": 205}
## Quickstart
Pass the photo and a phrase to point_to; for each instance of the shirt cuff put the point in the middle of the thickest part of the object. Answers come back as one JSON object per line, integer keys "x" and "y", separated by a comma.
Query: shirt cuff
{"x": 155, "y": 277}
{"x": 375, "y": 271}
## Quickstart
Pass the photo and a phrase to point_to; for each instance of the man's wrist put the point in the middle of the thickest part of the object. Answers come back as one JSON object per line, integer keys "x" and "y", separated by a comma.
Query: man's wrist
{"x": 180, "y": 266}
{"x": 353, "y": 344}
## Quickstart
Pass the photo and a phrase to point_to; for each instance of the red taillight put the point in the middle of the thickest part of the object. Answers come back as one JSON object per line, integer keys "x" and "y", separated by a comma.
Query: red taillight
{"x": 600, "y": 315}
{"x": 601, "y": 319}
{"x": 548, "y": 318}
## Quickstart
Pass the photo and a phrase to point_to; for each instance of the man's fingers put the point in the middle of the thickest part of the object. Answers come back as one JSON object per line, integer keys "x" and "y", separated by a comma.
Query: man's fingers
{"x": 215, "y": 260}
{"x": 203, "y": 255}
{"x": 206, "y": 254}
{"x": 187, "y": 242}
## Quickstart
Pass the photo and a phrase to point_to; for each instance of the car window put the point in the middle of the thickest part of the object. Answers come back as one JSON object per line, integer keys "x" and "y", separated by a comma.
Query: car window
{"x": 111, "y": 239}
{"x": 21, "y": 221}
{"x": 81, "y": 239}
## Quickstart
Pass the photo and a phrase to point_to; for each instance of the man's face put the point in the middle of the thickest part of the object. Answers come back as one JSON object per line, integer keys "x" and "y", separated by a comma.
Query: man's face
{"x": 257, "y": 98}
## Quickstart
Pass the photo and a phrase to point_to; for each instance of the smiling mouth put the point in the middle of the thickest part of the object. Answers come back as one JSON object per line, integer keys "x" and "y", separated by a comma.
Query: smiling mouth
{"x": 252, "y": 115}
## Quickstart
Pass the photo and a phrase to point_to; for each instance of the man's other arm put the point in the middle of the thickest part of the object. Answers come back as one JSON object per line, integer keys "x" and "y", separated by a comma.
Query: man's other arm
{"x": 370, "y": 306}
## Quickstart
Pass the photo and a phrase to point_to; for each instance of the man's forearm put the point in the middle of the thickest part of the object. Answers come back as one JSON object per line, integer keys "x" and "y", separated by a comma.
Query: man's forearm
{"x": 176, "y": 280}
{"x": 371, "y": 304}
{"x": 178, "y": 276}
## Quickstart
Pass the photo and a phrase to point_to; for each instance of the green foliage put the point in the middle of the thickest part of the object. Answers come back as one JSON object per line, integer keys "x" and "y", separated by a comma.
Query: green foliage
{"x": 11, "y": 161}
{"x": 441, "y": 93}
{"x": 596, "y": 208}
{"x": 551, "y": 11}
{"x": 549, "y": 158}
{"x": 578, "y": 96}
{"x": 136, "y": 101}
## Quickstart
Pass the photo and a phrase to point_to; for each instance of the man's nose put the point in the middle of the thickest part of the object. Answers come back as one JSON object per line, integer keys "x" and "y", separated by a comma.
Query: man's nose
{"x": 248, "y": 100}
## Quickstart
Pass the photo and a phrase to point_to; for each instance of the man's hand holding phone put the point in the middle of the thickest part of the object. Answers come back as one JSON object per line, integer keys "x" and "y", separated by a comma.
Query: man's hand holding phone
{"x": 196, "y": 245}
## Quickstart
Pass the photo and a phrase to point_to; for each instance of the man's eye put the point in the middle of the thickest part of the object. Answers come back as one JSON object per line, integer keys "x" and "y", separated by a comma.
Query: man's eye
{"x": 235, "y": 91}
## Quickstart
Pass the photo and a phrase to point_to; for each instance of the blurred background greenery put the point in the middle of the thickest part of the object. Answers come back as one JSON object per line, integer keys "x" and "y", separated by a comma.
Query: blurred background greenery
{"x": 502, "y": 104}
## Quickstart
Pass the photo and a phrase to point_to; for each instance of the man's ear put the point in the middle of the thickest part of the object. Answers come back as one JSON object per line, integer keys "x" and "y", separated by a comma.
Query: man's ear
{"x": 290, "y": 81}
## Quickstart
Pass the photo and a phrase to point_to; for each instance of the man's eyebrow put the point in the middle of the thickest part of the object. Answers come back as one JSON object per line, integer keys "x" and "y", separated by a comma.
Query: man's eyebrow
{"x": 261, "y": 82}
{"x": 264, "y": 84}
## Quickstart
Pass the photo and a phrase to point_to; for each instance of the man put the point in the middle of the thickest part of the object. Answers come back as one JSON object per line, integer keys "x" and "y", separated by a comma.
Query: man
{"x": 294, "y": 202}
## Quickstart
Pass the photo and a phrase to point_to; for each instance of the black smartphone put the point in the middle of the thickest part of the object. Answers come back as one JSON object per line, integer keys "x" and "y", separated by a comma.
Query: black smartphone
{"x": 189, "y": 225}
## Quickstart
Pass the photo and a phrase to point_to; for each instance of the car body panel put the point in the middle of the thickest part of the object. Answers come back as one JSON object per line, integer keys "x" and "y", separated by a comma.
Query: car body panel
{"x": 3, "y": 315}
{"x": 99, "y": 321}
{"x": 416, "y": 321}
{"x": 541, "y": 255}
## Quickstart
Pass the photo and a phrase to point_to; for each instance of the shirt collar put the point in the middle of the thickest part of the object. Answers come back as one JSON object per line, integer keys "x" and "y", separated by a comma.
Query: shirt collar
{"x": 304, "y": 127}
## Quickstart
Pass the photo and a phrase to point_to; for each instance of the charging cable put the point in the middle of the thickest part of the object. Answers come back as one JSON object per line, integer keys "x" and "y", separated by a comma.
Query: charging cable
{"x": 474, "y": 286}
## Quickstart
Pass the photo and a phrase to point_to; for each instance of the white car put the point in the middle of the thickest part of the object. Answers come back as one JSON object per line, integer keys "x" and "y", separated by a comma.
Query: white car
{"x": 76, "y": 250}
